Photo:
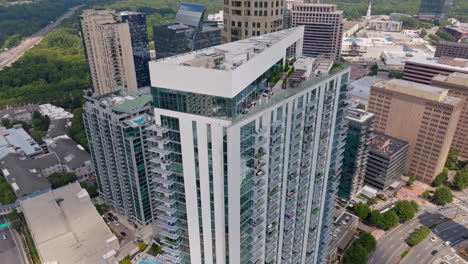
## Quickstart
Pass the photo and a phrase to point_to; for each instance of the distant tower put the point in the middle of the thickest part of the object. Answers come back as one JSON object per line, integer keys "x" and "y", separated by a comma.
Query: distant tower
{"x": 368, "y": 15}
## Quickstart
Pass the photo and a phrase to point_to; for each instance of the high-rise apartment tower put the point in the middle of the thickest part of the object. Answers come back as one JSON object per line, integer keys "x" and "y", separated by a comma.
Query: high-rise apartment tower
{"x": 246, "y": 175}
{"x": 117, "y": 124}
{"x": 424, "y": 116}
{"x": 323, "y": 33}
{"x": 244, "y": 19}
{"x": 358, "y": 139}
{"x": 116, "y": 47}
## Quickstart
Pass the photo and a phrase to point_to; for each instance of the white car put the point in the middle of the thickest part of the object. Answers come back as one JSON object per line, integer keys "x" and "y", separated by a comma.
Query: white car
{"x": 433, "y": 239}
{"x": 442, "y": 217}
{"x": 447, "y": 243}
{"x": 116, "y": 223}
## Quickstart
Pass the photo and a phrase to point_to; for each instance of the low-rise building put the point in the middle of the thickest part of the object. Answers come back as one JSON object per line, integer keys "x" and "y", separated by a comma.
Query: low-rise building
{"x": 343, "y": 235}
{"x": 21, "y": 113}
{"x": 350, "y": 27}
{"x": 73, "y": 157}
{"x": 67, "y": 229}
{"x": 27, "y": 175}
{"x": 459, "y": 31}
{"x": 360, "y": 89}
{"x": 385, "y": 25}
{"x": 17, "y": 140}
{"x": 422, "y": 69}
{"x": 451, "y": 49}
{"x": 386, "y": 161}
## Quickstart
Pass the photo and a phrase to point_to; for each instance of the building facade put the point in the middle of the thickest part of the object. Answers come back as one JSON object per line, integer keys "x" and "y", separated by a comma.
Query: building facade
{"x": 386, "y": 161}
{"x": 459, "y": 31}
{"x": 457, "y": 83}
{"x": 385, "y": 25}
{"x": 423, "y": 69}
{"x": 187, "y": 33}
{"x": 116, "y": 48}
{"x": 434, "y": 10}
{"x": 323, "y": 33}
{"x": 358, "y": 139}
{"x": 117, "y": 124}
{"x": 245, "y": 177}
{"x": 245, "y": 19}
{"x": 424, "y": 116}
{"x": 451, "y": 49}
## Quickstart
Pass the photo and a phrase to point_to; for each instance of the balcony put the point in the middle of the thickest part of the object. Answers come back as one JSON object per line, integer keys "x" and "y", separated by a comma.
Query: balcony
{"x": 161, "y": 171}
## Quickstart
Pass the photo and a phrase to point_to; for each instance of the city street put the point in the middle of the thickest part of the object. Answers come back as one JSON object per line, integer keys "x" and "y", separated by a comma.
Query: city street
{"x": 10, "y": 248}
{"x": 393, "y": 244}
{"x": 454, "y": 231}
{"x": 11, "y": 55}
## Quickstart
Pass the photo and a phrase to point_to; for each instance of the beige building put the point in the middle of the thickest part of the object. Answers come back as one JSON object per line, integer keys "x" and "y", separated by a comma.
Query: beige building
{"x": 424, "y": 116}
{"x": 457, "y": 83}
{"x": 248, "y": 18}
{"x": 109, "y": 51}
{"x": 323, "y": 28}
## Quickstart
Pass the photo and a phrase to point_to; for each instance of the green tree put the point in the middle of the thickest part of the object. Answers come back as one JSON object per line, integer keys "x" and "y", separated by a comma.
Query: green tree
{"x": 361, "y": 210}
{"x": 410, "y": 22}
{"x": 460, "y": 181}
{"x": 445, "y": 35}
{"x": 91, "y": 189}
{"x": 389, "y": 220}
{"x": 418, "y": 236}
{"x": 426, "y": 194}
{"x": 57, "y": 180}
{"x": 443, "y": 195}
{"x": 415, "y": 205}
{"x": 356, "y": 254}
{"x": 395, "y": 74}
{"x": 374, "y": 69}
{"x": 405, "y": 210}
{"x": 452, "y": 159}
{"x": 7, "y": 195}
{"x": 361, "y": 106}
{"x": 368, "y": 242}
{"x": 410, "y": 181}
{"x": 423, "y": 33}
{"x": 441, "y": 178}
{"x": 376, "y": 218}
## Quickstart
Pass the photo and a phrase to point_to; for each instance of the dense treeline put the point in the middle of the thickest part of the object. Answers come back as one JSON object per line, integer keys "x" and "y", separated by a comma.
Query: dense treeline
{"x": 162, "y": 11}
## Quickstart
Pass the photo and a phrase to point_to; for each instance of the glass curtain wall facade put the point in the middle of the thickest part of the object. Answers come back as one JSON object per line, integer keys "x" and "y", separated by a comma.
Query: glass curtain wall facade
{"x": 263, "y": 185}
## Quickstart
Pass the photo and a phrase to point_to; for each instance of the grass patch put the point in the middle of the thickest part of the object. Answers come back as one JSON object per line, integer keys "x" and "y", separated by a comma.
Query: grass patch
{"x": 408, "y": 187}
{"x": 403, "y": 255}
{"x": 432, "y": 226}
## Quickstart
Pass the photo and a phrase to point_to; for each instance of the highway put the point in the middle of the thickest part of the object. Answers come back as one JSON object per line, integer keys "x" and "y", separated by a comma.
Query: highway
{"x": 393, "y": 244}
{"x": 11, "y": 55}
{"x": 11, "y": 251}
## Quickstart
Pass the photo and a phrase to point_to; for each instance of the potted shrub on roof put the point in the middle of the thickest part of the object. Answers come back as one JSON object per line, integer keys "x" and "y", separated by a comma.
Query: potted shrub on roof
{"x": 285, "y": 81}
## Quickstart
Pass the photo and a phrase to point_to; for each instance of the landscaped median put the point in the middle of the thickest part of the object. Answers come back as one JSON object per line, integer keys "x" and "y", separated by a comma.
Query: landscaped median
{"x": 416, "y": 237}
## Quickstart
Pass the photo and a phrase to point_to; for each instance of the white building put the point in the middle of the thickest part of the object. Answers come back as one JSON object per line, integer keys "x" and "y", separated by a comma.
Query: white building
{"x": 385, "y": 25}
{"x": 243, "y": 174}
{"x": 218, "y": 17}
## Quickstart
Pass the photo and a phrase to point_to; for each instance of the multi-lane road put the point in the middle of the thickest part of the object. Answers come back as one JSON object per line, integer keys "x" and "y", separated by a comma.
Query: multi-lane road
{"x": 11, "y": 251}
{"x": 393, "y": 244}
{"x": 11, "y": 55}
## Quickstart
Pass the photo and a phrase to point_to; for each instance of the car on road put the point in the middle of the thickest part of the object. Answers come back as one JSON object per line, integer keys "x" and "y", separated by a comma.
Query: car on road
{"x": 443, "y": 217}
{"x": 116, "y": 223}
{"x": 110, "y": 215}
{"x": 433, "y": 239}
{"x": 447, "y": 243}
{"x": 434, "y": 252}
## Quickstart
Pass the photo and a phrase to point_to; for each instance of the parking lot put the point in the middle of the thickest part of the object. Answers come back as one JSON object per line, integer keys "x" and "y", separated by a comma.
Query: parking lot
{"x": 123, "y": 233}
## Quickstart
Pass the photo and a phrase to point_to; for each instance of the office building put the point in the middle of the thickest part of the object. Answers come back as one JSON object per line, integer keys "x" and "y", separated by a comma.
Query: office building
{"x": 459, "y": 31}
{"x": 245, "y": 19}
{"x": 386, "y": 161}
{"x": 117, "y": 124}
{"x": 434, "y": 10}
{"x": 344, "y": 233}
{"x": 187, "y": 33}
{"x": 385, "y": 25}
{"x": 424, "y": 116}
{"x": 451, "y": 49}
{"x": 246, "y": 175}
{"x": 116, "y": 47}
{"x": 66, "y": 228}
{"x": 323, "y": 33}
{"x": 358, "y": 139}
{"x": 423, "y": 69}
{"x": 457, "y": 83}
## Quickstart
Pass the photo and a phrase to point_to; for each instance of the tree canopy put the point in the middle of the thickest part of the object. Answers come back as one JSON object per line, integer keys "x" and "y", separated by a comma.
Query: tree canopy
{"x": 441, "y": 178}
{"x": 452, "y": 158}
{"x": 460, "y": 181}
{"x": 389, "y": 220}
{"x": 368, "y": 242}
{"x": 406, "y": 210}
{"x": 356, "y": 254}
{"x": 418, "y": 236}
{"x": 443, "y": 195}
{"x": 59, "y": 180}
{"x": 361, "y": 210}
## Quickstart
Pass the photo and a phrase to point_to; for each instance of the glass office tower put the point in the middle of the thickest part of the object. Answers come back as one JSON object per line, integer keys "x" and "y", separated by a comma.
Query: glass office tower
{"x": 246, "y": 172}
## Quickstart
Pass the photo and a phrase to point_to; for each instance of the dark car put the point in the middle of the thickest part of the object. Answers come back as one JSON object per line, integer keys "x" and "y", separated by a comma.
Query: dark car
{"x": 123, "y": 233}
{"x": 434, "y": 252}
{"x": 110, "y": 214}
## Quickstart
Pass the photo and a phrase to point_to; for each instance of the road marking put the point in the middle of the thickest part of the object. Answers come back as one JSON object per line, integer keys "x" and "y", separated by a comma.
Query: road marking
{"x": 398, "y": 249}
{"x": 14, "y": 240}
